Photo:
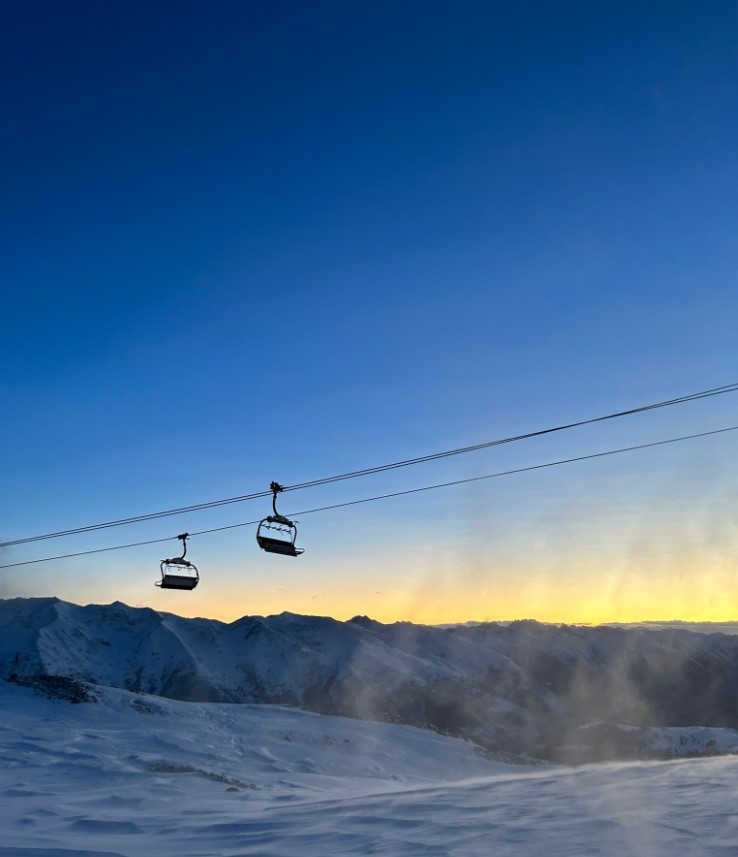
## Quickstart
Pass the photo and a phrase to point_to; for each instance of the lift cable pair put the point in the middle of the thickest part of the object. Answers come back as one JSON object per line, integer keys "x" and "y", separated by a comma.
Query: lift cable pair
{"x": 135, "y": 519}
{"x": 406, "y": 492}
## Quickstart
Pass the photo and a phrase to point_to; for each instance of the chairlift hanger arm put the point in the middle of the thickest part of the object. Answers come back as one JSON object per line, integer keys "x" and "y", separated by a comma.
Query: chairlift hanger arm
{"x": 183, "y": 538}
{"x": 275, "y": 488}
{"x": 276, "y": 517}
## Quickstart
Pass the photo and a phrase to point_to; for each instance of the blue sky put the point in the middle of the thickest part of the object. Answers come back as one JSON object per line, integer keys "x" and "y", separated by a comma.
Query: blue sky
{"x": 255, "y": 241}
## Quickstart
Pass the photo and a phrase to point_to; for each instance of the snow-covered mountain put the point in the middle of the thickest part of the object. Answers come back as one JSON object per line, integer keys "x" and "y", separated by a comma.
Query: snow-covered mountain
{"x": 520, "y": 690}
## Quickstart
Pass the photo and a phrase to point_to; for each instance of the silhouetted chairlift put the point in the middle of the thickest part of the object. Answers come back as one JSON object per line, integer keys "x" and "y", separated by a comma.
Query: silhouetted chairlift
{"x": 282, "y": 532}
{"x": 179, "y": 573}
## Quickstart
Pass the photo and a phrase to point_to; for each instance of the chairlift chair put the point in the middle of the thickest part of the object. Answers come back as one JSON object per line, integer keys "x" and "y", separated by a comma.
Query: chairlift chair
{"x": 179, "y": 573}
{"x": 277, "y": 534}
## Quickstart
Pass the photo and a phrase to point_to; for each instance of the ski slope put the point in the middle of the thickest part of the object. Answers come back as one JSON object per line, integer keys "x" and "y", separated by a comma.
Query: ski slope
{"x": 138, "y": 775}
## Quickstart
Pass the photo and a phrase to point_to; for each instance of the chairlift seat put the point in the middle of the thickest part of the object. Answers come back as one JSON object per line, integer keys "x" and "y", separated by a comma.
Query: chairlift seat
{"x": 177, "y": 581}
{"x": 278, "y": 546}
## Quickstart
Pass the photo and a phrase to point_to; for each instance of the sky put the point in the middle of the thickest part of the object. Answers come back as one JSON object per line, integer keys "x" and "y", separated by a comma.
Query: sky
{"x": 250, "y": 241}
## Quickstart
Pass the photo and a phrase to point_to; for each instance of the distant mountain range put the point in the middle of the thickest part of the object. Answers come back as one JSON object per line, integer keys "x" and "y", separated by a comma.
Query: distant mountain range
{"x": 521, "y": 690}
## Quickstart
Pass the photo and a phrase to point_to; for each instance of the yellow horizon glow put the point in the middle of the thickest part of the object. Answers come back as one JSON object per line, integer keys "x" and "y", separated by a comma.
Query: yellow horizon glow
{"x": 567, "y": 580}
{"x": 599, "y": 598}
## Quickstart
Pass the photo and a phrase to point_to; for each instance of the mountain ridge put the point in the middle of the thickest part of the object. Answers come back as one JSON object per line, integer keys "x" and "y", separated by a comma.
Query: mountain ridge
{"x": 520, "y": 688}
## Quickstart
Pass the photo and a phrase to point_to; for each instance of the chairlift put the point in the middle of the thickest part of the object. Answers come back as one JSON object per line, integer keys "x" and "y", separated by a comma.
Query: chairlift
{"x": 277, "y": 534}
{"x": 179, "y": 573}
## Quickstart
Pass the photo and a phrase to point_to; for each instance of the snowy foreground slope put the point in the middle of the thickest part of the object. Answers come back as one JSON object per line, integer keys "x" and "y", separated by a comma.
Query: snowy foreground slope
{"x": 522, "y": 690}
{"x": 142, "y": 776}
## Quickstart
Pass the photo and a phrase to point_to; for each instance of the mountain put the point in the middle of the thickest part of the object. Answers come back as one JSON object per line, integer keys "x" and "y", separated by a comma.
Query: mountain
{"x": 521, "y": 690}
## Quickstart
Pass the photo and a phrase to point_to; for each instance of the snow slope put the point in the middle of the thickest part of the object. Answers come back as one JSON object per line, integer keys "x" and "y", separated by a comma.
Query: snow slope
{"x": 141, "y": 776}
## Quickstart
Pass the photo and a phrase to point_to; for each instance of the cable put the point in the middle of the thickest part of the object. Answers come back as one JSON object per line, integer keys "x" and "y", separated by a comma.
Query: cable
{"x": 730, "y": 388}
{"x": 84, "y": 553}
{"x": 515, "y": 471}
{"x": 396, "y": 494}
{"x": 135, "y": 519}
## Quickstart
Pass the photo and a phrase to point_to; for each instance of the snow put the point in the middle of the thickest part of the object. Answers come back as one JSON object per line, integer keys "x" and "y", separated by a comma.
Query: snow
{"x": 141, "y": 775}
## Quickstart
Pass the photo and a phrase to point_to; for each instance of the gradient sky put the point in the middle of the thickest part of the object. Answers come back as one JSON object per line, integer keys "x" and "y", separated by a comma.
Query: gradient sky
{"x": 245, "y": 241}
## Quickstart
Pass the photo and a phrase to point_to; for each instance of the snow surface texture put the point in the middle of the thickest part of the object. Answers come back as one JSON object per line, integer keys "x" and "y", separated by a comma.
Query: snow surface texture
{"x": 142, "y": 776}
{"x": 522, "y": 690}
